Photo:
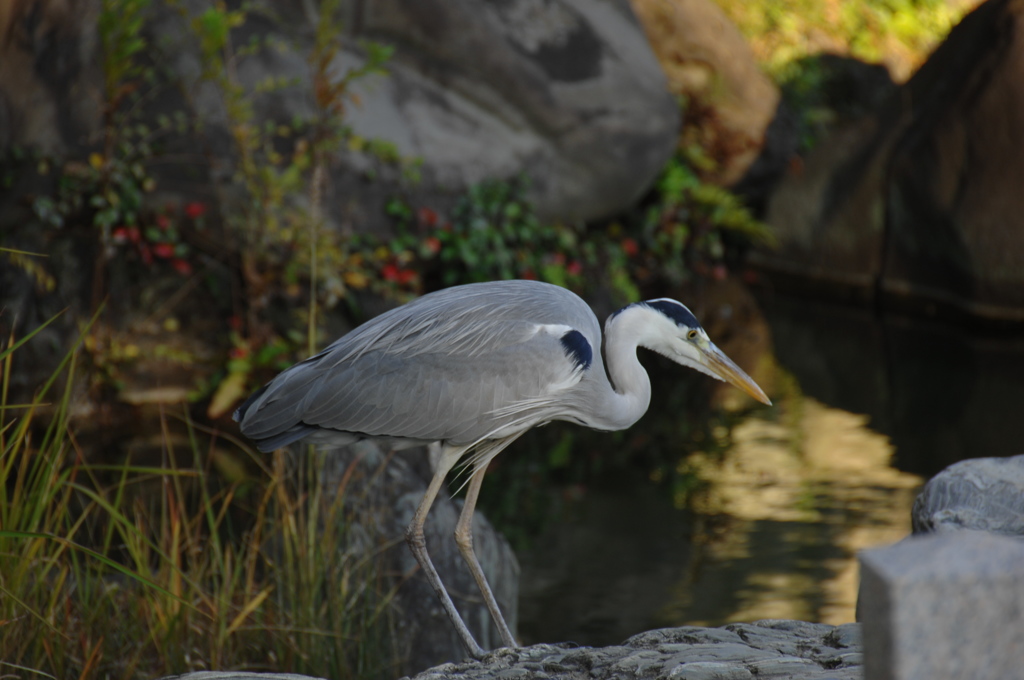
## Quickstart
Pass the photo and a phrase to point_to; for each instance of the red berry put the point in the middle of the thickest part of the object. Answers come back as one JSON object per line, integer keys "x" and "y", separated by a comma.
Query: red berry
{"x": 427, "y": 217}
{"x": 195, "y": 210}
{"x": 163, "y": 250}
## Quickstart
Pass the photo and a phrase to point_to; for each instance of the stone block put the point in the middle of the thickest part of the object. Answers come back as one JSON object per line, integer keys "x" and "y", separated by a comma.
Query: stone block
{"x": 944, "y": 607}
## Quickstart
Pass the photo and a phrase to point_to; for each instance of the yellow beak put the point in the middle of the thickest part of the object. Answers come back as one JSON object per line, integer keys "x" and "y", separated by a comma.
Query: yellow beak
{"x": 726, "y": 369}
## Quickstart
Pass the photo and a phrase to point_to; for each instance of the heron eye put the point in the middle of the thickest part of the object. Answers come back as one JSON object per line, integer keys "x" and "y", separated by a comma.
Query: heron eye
{"x": 692, "y": 335}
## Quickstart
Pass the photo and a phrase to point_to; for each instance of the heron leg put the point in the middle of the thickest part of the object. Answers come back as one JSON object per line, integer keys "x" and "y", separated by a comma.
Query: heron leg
{"x": 464, "y": 539}
{"x": 418, "y": 544}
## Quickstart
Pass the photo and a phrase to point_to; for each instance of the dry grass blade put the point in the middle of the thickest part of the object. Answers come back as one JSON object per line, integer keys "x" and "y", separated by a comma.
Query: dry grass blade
{"x": 248, "y": 609}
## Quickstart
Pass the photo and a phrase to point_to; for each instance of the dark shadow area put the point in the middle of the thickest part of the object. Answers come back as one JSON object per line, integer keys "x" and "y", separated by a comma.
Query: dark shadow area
{"x": 942, "y": 392}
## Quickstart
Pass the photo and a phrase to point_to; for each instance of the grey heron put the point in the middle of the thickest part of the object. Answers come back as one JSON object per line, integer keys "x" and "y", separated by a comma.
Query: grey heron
{"x": 474, "y": 367}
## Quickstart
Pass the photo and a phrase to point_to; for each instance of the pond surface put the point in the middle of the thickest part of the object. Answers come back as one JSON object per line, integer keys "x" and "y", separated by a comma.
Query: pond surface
{"x": 880, "y": 403}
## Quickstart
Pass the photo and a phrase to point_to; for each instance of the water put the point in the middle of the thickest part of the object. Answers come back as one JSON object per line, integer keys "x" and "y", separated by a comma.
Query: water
{"x": 882, "y": 403}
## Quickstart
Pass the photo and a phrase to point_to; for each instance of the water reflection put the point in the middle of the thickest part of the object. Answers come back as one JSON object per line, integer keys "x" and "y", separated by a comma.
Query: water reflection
{"x": 943, "y": 392}
{"x": 773, "y": 534}
{"x": 789, "y": 508}
{"x": 599, "y": 572}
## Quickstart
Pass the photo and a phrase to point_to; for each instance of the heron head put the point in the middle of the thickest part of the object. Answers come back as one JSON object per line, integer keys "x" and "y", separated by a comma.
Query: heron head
{"x": 677, "y": 334}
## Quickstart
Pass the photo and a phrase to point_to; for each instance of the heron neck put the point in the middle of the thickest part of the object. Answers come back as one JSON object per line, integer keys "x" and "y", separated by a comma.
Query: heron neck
{"x": 630, "y": 395}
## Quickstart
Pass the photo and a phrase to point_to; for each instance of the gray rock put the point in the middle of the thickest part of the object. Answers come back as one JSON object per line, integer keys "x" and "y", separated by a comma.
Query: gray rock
{"x": 715, "y": 652}
{"x": 986, "y": 494}
{"x": 790, "y": 638}
{"x": 686, "y": 653}
{"x": 568, "y": 92}
{"x": 686, "y": 635}
{"x": 846, "y": 636}
{"x": 709, "y": 670}
{"x": 690, "y": 652}
{"x": 944, "y": 607}
{"x": 51, "y": 78}
{"x": 239, "y": 675}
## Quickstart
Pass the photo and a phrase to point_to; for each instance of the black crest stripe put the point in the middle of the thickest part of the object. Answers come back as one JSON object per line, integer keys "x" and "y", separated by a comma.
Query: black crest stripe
{"x": 675, "y": 311}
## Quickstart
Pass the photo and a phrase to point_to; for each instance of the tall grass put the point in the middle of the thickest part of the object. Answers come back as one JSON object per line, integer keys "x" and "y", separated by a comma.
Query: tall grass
{"x": 127, "y": 571}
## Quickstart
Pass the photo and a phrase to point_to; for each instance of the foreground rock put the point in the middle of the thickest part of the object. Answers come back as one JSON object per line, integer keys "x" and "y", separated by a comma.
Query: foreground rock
{"x": 920, "y": 202}
{"x": 982, "y": 494}
{"x": 789, "y": 650}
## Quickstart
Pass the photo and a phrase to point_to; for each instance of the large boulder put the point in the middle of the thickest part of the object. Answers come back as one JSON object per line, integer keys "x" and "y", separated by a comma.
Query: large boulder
{"x": 567, "y": 92}
{"x": 920, "y": 202}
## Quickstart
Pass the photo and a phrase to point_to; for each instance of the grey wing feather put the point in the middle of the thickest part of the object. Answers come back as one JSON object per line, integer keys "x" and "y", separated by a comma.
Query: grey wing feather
{"x": 452, "y": 366}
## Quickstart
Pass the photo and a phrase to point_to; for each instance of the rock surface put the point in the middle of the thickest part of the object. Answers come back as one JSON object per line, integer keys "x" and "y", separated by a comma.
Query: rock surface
{"x": 982, "y": 494}
{"x": 793, "y": 650}
{"x": 50, "y": 78}
{"x": 920, "y": 201}
{"x": 567, "y": 92}
{"x": 239, "y": 675}
{"x": 770, "y": 649}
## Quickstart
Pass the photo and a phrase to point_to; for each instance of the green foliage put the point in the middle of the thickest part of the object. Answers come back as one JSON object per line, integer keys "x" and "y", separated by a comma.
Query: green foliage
{"x": 494, "y": 234}
{"x": 273, "y": 203}
{"x": 277, "y": 161}
{"x": 917, "y": 25}
{"x": 683, "y": 230}
{"x": 100, "y": 193}
{"x": 121, "y": 44}
{"x": 686, "y": 203}
{"x": 29, "y": 263}
{"x": 899, "y": 32}
{"x": 107, "y": 192}
{"x": 13, "y": 162}
{"x": 332, "y": 93}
